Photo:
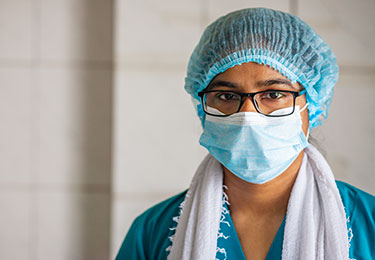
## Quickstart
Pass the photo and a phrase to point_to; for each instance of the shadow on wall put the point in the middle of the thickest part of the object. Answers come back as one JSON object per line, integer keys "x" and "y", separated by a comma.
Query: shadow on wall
{"x": 94, "y": 205}
{"x": 95, "y": 208}
{"x": 75, "y": 131}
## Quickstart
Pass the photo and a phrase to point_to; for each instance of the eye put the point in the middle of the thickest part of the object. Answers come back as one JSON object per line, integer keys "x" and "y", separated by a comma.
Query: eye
{"x": 227, "y": 96}
{"x": 273, "y": 95}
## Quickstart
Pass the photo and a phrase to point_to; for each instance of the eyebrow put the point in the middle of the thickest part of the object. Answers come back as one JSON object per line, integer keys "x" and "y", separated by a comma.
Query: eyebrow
{"x": 262, "y": 83}
{"x": 270, "y": 82}
{"x": 222, "y": 83}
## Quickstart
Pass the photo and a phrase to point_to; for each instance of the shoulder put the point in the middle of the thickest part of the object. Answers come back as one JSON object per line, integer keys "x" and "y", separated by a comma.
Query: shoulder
{"x": 161, "y": 214}
{"x": 355, "y": 199}
{"x": 148, "y": 235}
{"x": 360, "y": 210}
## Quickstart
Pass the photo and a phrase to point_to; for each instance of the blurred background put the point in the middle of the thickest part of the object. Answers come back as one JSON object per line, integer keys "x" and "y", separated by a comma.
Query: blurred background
{"x": 96, "y": 126}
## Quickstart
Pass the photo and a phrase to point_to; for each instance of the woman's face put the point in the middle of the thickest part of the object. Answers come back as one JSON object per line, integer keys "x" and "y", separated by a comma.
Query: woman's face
{"x": 253, "y": 77}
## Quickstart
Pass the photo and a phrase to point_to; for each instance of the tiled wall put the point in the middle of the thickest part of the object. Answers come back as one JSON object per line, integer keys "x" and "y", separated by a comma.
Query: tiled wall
{"x": 156, "y": 132}
{"x": 348, "y": 135}
{"x": 57, "y": 195}
{"x": 55, "y": 134}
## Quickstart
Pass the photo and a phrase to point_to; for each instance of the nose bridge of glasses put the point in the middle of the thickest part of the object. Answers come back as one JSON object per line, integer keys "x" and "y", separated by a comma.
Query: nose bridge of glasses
{"x": 247, "y": 103}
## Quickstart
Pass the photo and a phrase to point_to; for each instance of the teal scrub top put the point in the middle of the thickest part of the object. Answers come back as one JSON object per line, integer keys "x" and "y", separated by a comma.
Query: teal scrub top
{"x": 148, "y": 237}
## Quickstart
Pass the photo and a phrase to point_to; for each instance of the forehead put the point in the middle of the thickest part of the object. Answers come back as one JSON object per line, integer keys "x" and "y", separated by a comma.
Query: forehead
{"x": 250, "y": 77}
{"x": 249, "y": 71}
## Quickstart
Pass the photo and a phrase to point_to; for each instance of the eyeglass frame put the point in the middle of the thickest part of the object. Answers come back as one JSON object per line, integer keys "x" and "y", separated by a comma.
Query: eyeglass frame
{"x": 252, "y": 95}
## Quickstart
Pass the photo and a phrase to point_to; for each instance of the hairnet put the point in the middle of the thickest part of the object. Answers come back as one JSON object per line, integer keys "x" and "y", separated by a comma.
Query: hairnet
{"x": 277, "y": 39}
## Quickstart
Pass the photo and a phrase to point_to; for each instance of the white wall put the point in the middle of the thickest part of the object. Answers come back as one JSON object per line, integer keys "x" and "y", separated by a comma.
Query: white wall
{"x": 55, "y": 134}
{"x": 348, "y": 135}
{"x": 156, "y": 132}
{"x": 57, "y": 104}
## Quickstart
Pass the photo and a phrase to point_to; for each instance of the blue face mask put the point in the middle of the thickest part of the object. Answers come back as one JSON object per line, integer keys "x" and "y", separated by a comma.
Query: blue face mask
{"x": 255, "y": 147}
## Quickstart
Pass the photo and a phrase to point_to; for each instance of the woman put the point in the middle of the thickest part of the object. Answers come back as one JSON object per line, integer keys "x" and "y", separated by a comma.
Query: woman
{"x": 260, "y": 80}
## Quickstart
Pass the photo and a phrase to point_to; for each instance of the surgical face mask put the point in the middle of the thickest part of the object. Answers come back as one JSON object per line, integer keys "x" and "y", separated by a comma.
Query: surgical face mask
{"x": 255, "y": 147}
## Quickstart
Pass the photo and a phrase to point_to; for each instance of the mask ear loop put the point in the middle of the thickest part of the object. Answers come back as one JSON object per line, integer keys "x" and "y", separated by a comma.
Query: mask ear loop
{"x": 308, "y": 130}
{"x": 304, "y": 107}
{"x": 308, "y": 133}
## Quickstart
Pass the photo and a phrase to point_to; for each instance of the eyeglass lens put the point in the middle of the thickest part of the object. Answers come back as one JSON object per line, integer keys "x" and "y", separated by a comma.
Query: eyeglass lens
{"x": 268, "y": 103}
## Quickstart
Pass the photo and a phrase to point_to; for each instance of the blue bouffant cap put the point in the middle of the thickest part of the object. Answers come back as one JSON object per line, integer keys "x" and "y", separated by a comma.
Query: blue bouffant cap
{"x": 277, "y": 39}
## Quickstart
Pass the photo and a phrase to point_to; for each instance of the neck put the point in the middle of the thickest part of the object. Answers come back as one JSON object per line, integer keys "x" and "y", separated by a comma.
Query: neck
{"x": 261, "y": 200}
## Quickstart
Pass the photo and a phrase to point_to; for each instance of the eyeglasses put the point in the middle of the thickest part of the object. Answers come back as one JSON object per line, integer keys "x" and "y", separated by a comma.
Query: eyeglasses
{"x": 273, "y": 103}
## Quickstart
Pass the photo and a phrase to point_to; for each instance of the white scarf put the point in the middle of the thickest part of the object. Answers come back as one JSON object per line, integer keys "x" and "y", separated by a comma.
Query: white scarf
{"x": 315, "y": 226}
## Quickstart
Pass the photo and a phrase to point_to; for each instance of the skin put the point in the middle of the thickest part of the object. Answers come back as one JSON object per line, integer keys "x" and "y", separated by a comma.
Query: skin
{"x": 258, "y": 210}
